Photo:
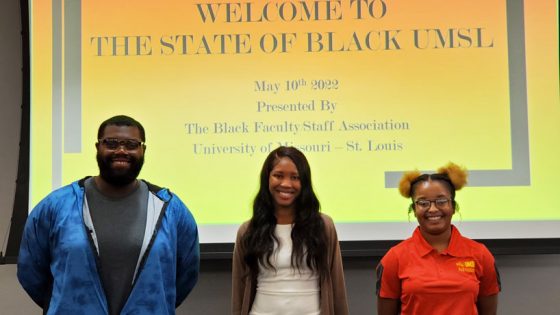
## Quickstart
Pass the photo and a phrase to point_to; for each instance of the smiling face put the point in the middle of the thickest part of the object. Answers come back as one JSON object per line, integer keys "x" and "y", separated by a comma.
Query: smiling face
{"x": 119, "y": 166}
{"x": 434, "y": 218}
{"x": 284, "y": 184}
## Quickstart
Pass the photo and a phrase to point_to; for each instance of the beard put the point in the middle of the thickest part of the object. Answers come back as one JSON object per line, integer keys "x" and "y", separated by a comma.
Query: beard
{"x": 119, "y": 177}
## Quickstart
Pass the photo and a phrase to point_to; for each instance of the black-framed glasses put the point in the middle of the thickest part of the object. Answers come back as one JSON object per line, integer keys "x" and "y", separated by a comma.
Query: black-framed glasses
{"x": 425, "y": 204}
{"x": 114, "y": 143}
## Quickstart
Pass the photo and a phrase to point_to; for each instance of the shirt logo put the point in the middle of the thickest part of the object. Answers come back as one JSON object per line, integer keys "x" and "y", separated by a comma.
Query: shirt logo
{"x": 466, "y": 266}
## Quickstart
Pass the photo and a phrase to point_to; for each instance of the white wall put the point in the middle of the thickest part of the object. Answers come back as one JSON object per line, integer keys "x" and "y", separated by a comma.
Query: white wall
{"x": 10, "y": 109}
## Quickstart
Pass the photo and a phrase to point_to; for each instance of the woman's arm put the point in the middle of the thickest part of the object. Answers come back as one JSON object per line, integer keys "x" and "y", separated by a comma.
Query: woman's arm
{"x": 337, "y": 270}
{"x": 387, "y": 306}
{"x": 239, "y": 272}
{"x": 490, "y": 284}
{"x": 487, "y": 305}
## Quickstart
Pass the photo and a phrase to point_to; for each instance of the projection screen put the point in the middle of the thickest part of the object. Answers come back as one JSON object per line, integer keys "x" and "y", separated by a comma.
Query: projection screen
{"x": 366, "y": 89}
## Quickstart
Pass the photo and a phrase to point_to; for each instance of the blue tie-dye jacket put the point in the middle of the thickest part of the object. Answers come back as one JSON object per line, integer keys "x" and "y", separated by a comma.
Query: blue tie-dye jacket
{"x": 57, "y": 263}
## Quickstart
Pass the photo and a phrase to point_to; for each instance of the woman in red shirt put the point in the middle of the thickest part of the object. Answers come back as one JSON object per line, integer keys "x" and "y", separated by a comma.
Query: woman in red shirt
{"x": 436, "y": 271}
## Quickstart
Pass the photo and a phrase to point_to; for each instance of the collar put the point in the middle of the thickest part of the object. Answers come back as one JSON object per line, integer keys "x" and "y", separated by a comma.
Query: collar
{"x": 151, "y": 187}
{"x": 424, "y": 248}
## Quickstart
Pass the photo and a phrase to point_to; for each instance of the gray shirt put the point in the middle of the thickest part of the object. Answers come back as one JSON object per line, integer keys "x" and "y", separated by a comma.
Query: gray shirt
{"x": 119, "y": 225}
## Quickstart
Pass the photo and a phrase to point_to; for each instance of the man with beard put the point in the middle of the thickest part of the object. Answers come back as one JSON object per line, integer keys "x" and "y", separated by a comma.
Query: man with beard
{"x": 110, "y": 244}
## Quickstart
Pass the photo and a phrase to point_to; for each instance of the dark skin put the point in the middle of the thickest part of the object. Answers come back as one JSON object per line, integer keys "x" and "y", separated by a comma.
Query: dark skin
{"x": 284, "y": 186}
{"x": 119, "y": 132}
{"x": 438, "y": 234}
{"x": 487, "y": 305}
{"x": 387, "y": 306}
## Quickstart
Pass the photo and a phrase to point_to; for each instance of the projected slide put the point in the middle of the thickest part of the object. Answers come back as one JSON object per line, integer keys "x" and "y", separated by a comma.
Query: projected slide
{"x": 366, "y": 89}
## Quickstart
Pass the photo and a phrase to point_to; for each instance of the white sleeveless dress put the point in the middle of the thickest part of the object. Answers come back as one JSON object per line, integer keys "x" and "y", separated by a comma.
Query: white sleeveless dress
{"x": 286, "y": 290}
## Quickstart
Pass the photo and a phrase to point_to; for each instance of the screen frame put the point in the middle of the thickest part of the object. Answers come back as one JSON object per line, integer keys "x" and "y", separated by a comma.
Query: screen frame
{"x": 374, "y": 248}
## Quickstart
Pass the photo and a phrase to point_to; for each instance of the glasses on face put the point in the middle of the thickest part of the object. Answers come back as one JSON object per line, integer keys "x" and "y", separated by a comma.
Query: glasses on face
{"x": 114, "y": 143}
{"x": 425, "y": 204}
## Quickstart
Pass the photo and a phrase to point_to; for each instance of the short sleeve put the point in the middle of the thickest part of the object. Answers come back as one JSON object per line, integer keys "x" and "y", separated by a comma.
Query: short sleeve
{"x": 388, "y": 283}
{"x": 490, "y": 277}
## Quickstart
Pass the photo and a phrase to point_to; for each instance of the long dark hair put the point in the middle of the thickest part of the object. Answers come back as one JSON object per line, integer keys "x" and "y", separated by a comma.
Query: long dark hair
{"x": 308, "y": 232}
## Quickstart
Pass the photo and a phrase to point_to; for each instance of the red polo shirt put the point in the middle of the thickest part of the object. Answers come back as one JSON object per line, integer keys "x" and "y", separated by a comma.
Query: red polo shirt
{"x": 432, "y": 283}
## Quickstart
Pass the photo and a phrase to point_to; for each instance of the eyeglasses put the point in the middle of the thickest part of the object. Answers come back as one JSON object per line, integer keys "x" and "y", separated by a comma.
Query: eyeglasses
{"x": 114, "y": 143}
{"x": 424, "y": 204}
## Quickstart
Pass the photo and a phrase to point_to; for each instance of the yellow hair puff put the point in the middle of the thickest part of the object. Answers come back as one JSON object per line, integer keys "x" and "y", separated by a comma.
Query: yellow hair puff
{"x": 456, "y": 173}
{"x": 404, "y": 184}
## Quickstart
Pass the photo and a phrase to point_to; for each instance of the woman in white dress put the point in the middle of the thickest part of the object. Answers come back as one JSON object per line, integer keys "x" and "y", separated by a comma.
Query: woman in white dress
{"x": 287, "y": 257}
